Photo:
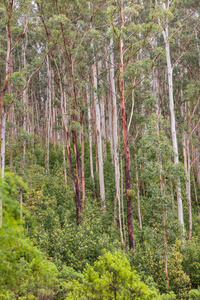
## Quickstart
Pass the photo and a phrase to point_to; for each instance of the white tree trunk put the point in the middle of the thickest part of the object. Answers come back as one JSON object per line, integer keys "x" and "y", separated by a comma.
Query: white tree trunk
{"x": 90, "y": 134}
{"x": 102, "y": 113}
{"x": 49, "y": 80}
{"x": 188, "y": 187}
{"x": 115, "y": 139}
{"x": 110, "y": 110}
{"x": 173, "y": 120}
{"x": 99, "y": 139}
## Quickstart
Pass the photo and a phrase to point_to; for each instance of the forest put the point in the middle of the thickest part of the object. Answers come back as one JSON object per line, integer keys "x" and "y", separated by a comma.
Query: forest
{"x": 100, "y": 149}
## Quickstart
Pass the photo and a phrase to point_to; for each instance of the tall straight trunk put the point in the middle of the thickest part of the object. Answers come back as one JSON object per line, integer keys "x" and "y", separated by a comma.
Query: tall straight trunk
{"x": 197, "y": 151}
{"x": 115, "y": 141}
{"x": 110, "y": 107}
{"x": 64, "y": 161}
{"x": 75, "y": 141}
{"x": 48, "y": 110}
{"x": 195, "y": 190}
{"x": 122, "y": 201}
{"x": 138, "y": 194}
{"x": 90, "y": 134}
{"x": 164, "y": 213}
{"x": 3, "y": 142}
{"x": 102, "y": 113}
{"x": 187, "y": 164}
{"x": 25, "y": 104}
{"x": 6, "y": 85}
{"x": 126, "y": 140}
{"x": 82, "y": 153}
{"x": 99, "y": 139}
{"x": 173, "y": 120}
{"x": 21, "y": 204}
{"x": 188, "y": 187}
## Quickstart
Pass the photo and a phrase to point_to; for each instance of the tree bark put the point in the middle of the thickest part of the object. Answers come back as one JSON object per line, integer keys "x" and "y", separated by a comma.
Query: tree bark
{"x": 99, "y": 139}
{"x": 126, "y": 142}
{"x": 82, "y": 153}
{"x": 173, "y": 120}
{"x": 115, "y": 142}
{"x": 90, "y": 134}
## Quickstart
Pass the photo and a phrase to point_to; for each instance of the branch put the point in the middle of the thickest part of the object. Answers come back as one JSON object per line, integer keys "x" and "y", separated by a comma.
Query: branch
{"x": 28, "y": 81}
{"x": 25, "y": 27}
{"x": 186, "y": 46}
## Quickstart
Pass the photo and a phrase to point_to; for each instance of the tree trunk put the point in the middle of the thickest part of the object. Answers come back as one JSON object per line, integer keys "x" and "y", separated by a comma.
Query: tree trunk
{"x": 99, "y": 139}
{"x": 173, "y": 121}
{"x": 90, "y": 134}
{"x": 21, "y": 204}
{"x": 122, "y": 201}
{"x": 3, "y": 142}
{"x": 64, "y": 161}
{"x": 102, "y": 113}
{"x": 82, "y": 153}
{"x": 126, "y": 142}
{"x": 138, "y": 194}
{"x": 188, "y": 187}
{"x": 115, "y": 142}
{"x": 48, "y": 110}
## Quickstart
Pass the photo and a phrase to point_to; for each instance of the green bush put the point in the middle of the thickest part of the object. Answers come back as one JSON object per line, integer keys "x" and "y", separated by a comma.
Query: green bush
{"x": 194, "y": 294}
{"x": 111, "y": 277}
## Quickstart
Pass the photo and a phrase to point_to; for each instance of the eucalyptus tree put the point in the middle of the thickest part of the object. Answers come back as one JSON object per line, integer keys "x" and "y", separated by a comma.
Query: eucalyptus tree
{"x": 131, "y": 36}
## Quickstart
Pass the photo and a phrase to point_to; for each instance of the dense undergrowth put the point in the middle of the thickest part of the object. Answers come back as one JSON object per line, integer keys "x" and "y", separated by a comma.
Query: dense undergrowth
{"x": 47, "y": 256}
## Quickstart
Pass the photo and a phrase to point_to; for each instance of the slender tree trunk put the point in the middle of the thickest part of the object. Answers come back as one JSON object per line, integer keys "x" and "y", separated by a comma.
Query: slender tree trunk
{"x": 6, "y": 85}
{"x": 138, "y": 194}
{"x": 173, "y": 120}
{"x": 25, "y": 104}
{"x": 110, "y": 106}
{"x": 126, "y": 142}
{"x": 74, "y": 139}
{"x": 115, "y": 141}
{"x": 64, "y": 161}
{"x": 21, "y": 204}
{"x": 164, "y": 214}
{"x": 3, "y": 142}
{"x": 48, "y": 110}
{"x": 122, "y": 201}
{"x": 99, "y": 139}
{"x": 90, "y": 134}
{"x": 195, "y": 190}
{"x": 102, "y": 114}
{"x": 188, "y": 186}
{"x": 82, "y": 154}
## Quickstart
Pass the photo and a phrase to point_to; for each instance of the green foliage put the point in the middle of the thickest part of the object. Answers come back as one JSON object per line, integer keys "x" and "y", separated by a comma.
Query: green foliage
{"x": 17, "y": 80}
{"x": 110, "y": 278}
{"x": 191, "y": 261}
{"x": 170, "y": 296}
{"x": 179, "y": 281}
{"x": 194, "y": 294}
{"x": 25, "y": 271}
